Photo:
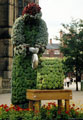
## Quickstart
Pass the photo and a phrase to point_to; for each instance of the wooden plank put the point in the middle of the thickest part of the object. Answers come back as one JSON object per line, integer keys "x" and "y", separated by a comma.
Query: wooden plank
{"x": 66, "y": 105}
{"x": 37, "y": 105}
{"x": 60, "y": 105}
{"x": 48, "y": 94}
{"x": 30, "y": 104}
{"x": 37, "y": 90}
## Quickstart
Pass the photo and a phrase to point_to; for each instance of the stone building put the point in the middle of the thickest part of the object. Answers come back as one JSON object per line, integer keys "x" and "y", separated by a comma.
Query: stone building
{"x": 9, "y": 11}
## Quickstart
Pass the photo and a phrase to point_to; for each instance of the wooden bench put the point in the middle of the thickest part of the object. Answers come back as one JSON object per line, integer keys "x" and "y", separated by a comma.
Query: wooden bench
{"x": 35, "y": 96}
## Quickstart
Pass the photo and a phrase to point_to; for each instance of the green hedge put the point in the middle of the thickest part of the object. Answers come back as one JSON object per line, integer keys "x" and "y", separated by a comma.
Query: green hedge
{"x": 23, "y": 77}
{"x": 50, "y": 74}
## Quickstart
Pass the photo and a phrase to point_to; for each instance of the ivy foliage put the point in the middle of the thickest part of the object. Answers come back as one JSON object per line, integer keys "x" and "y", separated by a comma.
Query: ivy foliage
{"x": 50, "y": 74}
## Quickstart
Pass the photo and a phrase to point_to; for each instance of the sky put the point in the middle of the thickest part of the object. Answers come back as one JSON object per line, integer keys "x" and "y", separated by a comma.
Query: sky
{"x": 56, "y": 12}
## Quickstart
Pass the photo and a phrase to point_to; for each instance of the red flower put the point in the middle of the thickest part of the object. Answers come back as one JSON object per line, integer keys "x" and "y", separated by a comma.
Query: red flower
{"x": 5, "y": 106}
{"x": 52, "y": 103}
{"x": 7, "y": 110}
{"x": 73, "y": 105}
{"x": 1, "y": 105}
{"x": 48, "y": 108}
{"x": 59, "y": 112}
{"x": 72, "y": 108}
{"x": 31, "y": 9}
{"x": 27, "y": 109}
{"x": 67, "y": 112}
{"x": 17, "y": 108}
{"x": 13, "y": 108}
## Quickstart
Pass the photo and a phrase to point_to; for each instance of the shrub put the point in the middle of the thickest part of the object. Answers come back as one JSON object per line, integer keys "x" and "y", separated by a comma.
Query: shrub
{"x": 50, "y": 74}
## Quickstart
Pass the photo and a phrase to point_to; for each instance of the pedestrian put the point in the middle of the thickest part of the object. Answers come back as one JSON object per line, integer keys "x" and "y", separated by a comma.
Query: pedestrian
{"x": 71, "y": 80}
{"x": 65, "y": 82}
{"x": 68, "y": 81}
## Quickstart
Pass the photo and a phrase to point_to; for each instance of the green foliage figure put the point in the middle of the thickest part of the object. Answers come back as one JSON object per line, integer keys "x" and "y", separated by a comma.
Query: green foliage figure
{"x": 29, "y": 38}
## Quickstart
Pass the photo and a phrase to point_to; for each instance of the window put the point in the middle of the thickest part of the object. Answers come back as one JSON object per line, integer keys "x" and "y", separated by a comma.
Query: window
{"x": 46, "y": 52}
{"x": 57, "y": 52}
{"x": 25, "y": 3}
{"x": 20, "y": 3}
{"x": 20, "y": 12}
{"x": 20, "y": 7}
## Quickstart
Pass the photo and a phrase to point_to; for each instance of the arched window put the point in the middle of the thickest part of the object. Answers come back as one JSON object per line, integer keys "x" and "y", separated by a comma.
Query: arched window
{"x": 20, "y": 7}
{"x": 25, "y": 3}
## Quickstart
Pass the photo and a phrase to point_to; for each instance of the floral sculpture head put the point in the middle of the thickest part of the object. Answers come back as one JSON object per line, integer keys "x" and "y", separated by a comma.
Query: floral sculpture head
{"x": 31, "y": 9}
{"x": 31, "y": 13}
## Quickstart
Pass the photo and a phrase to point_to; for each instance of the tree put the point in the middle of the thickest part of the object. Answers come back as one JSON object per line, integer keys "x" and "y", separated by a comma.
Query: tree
{"x": 72, "y": 47}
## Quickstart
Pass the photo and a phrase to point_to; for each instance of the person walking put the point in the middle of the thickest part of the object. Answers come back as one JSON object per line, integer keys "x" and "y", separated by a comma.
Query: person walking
{"x": 68, "y": 81}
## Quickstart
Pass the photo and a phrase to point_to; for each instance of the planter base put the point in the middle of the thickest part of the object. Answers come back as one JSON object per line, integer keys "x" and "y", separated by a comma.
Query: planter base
{"x": 35, "y": 97}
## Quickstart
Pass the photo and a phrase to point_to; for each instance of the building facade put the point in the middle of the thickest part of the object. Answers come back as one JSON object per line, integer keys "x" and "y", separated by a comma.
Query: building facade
{"x": 9, "y": 11}
{"x": 53, "y": 50}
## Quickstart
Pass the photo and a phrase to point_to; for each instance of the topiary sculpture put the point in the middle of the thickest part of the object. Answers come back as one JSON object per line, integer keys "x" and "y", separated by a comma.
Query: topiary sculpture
{"x": 29, "y": 38}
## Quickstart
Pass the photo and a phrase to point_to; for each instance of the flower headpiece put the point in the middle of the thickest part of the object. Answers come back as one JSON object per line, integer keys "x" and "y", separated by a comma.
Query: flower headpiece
{"x": 31, "y": 9}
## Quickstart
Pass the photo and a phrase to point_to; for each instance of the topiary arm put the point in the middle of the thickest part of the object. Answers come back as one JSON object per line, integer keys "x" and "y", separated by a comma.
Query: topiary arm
{"x": 18, "y": 36}
{"x": 42, "y": 37}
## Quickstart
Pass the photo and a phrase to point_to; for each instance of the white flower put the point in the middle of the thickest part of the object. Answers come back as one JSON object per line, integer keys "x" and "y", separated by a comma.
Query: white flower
{"x": 20, "y": 50}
